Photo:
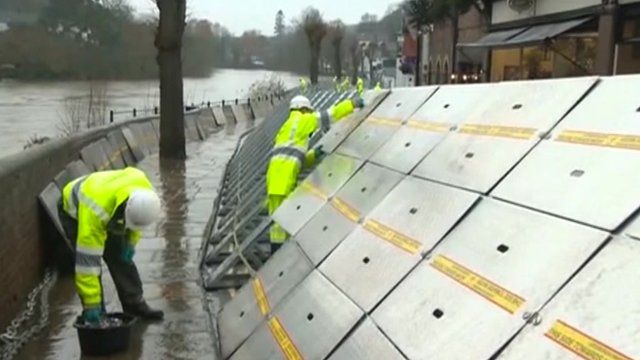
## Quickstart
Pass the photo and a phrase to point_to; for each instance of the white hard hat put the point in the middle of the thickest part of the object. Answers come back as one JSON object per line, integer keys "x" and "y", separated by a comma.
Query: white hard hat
{"x": 143, "y": 209}
{"x": 300, "y": 102}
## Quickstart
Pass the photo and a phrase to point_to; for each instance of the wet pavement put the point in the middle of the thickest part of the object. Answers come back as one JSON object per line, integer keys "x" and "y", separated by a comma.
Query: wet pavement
{"x": 167, "y": 258}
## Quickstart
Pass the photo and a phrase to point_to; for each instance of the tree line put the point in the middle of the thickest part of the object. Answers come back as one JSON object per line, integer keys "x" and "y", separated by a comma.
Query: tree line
{"x": 91, "y": 39}
{"x": 102, "y": 39}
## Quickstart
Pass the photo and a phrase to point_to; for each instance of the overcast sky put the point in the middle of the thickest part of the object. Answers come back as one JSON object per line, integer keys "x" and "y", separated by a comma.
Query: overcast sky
{"x": 241, "y": 15}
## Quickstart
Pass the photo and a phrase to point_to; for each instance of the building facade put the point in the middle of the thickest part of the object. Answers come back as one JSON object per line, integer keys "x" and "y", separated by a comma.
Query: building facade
{"x": 535, "y": 39}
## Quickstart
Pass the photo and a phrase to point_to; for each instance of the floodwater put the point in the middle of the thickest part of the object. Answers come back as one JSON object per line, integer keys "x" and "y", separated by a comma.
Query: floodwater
{"x": 36, "y": 108}
{"x": 167, "y": 258}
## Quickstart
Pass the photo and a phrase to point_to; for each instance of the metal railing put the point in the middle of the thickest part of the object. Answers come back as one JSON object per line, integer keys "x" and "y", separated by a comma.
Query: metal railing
{"x": 153, "y": 111}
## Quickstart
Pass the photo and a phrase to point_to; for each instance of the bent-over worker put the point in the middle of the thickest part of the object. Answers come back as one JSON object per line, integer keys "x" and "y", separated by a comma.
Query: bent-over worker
{"x": 103, "y": 214}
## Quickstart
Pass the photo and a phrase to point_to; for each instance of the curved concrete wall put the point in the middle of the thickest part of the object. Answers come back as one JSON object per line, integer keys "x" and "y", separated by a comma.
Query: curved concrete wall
{"x": 26, "y": 233}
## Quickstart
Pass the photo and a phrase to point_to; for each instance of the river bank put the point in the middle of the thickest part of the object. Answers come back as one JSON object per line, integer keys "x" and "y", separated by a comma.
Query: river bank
{"x": 36, "y": 108}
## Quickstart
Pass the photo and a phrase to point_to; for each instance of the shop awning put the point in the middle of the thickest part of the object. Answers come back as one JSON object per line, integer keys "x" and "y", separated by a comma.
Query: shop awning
{"x": 525, "y": 36}
{"x": 541, "y": 33}
{"x": 496, "y": 38}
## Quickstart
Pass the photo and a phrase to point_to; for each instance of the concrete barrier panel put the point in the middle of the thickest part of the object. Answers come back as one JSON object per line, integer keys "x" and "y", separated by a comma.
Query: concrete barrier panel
{"x": 191, "y": 130}
{"x": 301, "y": 323}
{"x": 345, "y": 210}
{"x": 255, "y": 301}
{"x": 117, "y": 140}
{"x": 72, "y": 171}
{"x": 340, "y": 130}
{"x": 410, "y": 221}
{"x": 587, "y": 171}
{"x": 595, "y": 316}
{"x": 366, "y": 342}
{"x": 229, "y": 115}
{"x": 489, "y": 270}
{"x": 505, "y": 127}
{"x": 220, "y": 116}
{"x": 137, "y": 148}
{"x": 384, "y": 122}
{"x": 431, "y": 124}
{"x": 95, "y": 157}
{"x": 49, "y": 198}
{"x": 150, "y": 137}
{"x": 314, "y": 191}
{"x": 113, "y": 152}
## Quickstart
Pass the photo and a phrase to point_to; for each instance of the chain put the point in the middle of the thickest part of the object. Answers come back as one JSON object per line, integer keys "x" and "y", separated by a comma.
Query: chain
{"x": 12, "y": 339}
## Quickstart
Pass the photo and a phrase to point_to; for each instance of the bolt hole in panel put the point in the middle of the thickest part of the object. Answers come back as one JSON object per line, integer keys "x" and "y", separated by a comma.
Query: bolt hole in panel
{"x": 340, "y": 130}
{"x": 343, "y": 212}
{"x": 467, "y": 298}
{"x": 449, "y": 106}
{"x": 308, "y": 323}
{"x": 313, "y": 192}
{"x": 599, "y": 141}
{"x": 498, "y": 134}
{"x": 597, "y": 316}
{"x": 396, "y": 108}
{"x": 367, "y": 342}
{"x": 393, "y": 239}
{"x": 250, "y": 306}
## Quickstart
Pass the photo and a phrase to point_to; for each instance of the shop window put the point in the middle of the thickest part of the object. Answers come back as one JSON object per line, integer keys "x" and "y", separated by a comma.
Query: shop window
{"x": 565, "y": 57}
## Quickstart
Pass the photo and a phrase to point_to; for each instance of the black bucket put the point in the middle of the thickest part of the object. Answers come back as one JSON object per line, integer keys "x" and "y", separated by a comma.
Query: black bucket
{"x": 96, "y": 341}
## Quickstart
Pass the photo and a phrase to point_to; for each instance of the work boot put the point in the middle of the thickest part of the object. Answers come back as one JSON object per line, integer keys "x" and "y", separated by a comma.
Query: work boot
{"x": 142, "y": 310}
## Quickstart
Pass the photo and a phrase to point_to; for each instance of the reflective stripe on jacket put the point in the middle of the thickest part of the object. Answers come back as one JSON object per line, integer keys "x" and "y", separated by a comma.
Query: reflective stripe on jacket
{"x": 291, "y": 147}
{"x": 93, "y": 200}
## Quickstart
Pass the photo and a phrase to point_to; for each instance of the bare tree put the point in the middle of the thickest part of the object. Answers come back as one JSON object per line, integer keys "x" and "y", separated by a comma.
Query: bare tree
{"x": 84, "y": 112}
{"x": 168, "y": 41}
{"x": 315, "y": 29}
{"x": 336, "y": 30}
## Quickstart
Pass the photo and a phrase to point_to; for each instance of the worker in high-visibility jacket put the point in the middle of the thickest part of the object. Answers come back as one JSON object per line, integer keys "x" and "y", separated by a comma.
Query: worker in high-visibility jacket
{"x": 304, "y": 85}
{"x": 103, "y": 214}
{"x": 360, "y": 86}
{"x": 291, "y": 152}
{"x": 344, "y": 86}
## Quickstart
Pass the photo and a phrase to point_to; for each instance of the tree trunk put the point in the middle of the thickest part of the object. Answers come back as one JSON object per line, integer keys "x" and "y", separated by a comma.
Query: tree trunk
{"x": 371, "y": 71}
{"x": 338, "y": 60}
{"x": 169, "y": 44}
{"x": 315, "y": 63}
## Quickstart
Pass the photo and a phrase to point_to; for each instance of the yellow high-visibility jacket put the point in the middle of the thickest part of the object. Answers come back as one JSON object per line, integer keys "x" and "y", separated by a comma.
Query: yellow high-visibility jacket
{"x": 93, "y": 200}
{"x": 291, "y": 146}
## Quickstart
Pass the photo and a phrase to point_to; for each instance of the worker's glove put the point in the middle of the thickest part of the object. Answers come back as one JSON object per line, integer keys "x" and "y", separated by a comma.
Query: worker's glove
{"x": 319, "y": 153}
{"x": 93, "y": 316}
{"x": 128, "y": 252}
{"x": 358, "y": 102}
